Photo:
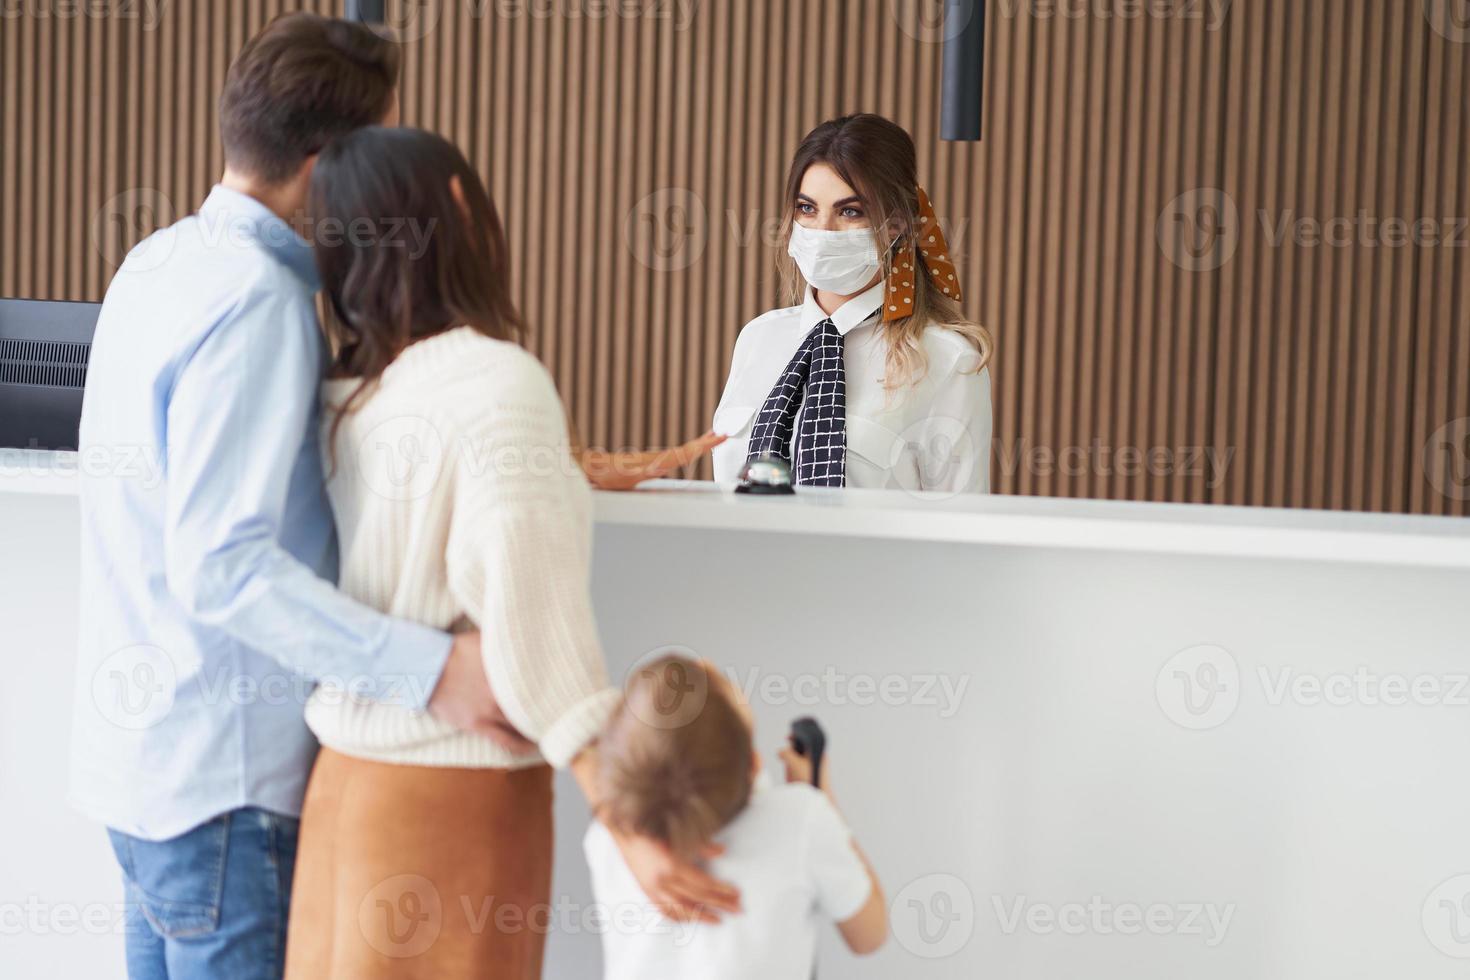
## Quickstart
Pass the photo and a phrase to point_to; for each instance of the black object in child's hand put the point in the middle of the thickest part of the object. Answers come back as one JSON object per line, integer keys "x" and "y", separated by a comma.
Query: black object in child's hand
{"x": 808, "y": 739}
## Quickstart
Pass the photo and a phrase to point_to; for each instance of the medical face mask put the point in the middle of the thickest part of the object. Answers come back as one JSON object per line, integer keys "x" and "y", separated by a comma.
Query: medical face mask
{"x": 841, "y": 262}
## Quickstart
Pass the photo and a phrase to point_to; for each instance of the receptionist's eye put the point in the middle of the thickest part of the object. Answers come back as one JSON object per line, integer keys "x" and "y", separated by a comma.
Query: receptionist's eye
{"x": 852, "y": 213}
{"x": 806, "y": 208}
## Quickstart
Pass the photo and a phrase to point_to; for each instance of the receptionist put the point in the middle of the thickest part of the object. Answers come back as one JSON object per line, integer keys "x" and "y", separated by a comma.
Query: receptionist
{"x": 875, "y": 378}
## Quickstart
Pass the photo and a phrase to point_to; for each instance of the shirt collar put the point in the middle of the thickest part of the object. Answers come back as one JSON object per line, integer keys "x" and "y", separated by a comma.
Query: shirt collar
{"x": 850, "y": 314}
{"x": 228, "y": 214}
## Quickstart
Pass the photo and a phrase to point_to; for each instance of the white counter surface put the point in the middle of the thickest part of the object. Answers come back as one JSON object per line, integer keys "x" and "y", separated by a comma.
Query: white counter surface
{"x": 1048, "y": 522}
{"x": 1054, "y": 522}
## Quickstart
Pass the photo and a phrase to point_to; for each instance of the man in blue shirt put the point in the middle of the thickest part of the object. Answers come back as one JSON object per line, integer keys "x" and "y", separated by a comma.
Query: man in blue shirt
{"x": 208, "y": 550}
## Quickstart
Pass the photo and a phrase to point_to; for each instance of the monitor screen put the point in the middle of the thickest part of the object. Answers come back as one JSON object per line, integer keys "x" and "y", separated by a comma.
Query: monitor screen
{"x": 44, "y": 346}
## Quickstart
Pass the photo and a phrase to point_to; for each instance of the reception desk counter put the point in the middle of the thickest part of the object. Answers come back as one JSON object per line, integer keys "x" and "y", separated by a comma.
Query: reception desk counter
{"x": 1076, "y": 738}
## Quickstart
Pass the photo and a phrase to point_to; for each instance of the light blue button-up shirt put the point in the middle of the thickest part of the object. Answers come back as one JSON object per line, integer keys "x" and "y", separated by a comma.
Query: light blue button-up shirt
{"x": 208, "y": 548}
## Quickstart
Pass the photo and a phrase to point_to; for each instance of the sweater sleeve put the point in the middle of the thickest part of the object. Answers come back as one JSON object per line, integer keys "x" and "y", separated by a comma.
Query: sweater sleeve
{"x": 518, "y": 562}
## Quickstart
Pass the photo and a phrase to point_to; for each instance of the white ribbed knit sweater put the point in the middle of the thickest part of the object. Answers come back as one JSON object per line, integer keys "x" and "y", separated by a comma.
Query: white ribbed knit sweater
{"x": 456, "y": 495}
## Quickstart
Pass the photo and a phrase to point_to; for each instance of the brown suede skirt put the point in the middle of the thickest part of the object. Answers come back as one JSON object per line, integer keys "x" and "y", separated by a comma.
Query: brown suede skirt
{"x": 420, "y": 872}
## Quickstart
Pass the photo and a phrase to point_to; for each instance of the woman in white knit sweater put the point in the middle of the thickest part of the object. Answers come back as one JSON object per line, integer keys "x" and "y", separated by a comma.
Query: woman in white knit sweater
{"x": 425, "y": 850}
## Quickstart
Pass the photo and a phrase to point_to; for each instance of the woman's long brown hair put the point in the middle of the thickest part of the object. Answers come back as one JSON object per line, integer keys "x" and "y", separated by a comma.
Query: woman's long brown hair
{"x": 401, "y": 257}
{"x": 876, "y": 157}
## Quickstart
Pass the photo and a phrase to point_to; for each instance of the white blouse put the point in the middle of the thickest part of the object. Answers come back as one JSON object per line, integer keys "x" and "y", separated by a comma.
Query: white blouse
{"x": 933, "y": 434}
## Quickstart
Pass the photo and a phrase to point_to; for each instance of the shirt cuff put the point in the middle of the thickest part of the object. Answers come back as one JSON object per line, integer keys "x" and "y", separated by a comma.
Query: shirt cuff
{"x": 578, "y": 726}
{"x": 410, "y": 662}
{"x": 851, "y": 902}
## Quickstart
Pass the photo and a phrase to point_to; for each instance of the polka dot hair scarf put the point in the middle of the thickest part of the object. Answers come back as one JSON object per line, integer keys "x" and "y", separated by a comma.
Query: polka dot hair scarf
{"x": 929, "y": 242}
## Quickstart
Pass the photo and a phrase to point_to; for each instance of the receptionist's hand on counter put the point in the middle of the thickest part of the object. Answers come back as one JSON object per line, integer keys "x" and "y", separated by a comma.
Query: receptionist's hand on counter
{"x": 624, "y": 471}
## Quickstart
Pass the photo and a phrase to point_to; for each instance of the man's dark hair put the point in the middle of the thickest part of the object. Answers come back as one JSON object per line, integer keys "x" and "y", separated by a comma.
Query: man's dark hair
{"x": 297, "y": 84}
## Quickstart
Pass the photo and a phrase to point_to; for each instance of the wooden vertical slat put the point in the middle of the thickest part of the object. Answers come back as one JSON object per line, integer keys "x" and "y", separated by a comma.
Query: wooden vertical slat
{"x": 1393, "y": 454}
{"x": 68, "y": 195}
{"x": 1326, "y": 160}
{"x": 1028, "y": 159}
{"x": 1455, "y": 289}
{"x": 34, "y": 153}
{"x": 10, "y": 162}
{"x": 92, "y": 111}
{"x": 1360, "y": 338}
{"x": 1047, "y": 238}
{"x": 715, "y": 334}
{"x": 635, "y": 320}
{"x": 685, "y": 346}
{"x": 1071, "y": 113}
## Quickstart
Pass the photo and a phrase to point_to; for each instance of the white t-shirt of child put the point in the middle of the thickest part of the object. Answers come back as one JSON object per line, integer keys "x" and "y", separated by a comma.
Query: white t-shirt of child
{"x": 792, "y": 858}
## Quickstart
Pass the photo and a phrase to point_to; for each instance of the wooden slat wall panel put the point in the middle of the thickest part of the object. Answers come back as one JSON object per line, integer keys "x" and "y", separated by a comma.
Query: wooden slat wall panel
{"x": 637, "y": 161}
{"x": 108, "y": 127}
{"x": 1309, "y": 426}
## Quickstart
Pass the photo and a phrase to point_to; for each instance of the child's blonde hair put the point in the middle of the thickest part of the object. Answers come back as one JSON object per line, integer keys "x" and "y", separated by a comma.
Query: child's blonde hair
{"x": 675, "y": 760}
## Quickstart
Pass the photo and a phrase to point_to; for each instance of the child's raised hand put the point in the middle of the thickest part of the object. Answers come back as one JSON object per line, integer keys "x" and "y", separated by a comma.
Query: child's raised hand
{"x": 799, "y": 767}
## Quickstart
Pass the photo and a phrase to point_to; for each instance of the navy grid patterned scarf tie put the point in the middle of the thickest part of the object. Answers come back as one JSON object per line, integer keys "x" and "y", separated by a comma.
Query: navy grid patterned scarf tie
{"x": 814, "y": 383}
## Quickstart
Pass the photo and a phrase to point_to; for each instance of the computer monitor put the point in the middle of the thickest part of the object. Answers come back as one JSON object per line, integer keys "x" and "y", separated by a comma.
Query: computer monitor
{"x": 44, "y": 347}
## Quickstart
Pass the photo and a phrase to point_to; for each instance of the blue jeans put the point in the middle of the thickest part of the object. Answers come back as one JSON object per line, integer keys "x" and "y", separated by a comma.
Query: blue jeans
{"x": 212, "y": 902}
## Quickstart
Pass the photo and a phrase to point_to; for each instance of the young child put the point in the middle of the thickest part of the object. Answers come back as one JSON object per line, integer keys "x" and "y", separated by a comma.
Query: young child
{"x": 678, "y": 763}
